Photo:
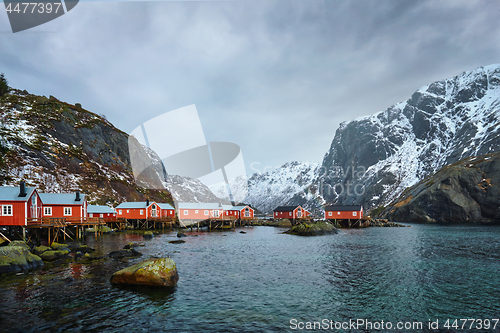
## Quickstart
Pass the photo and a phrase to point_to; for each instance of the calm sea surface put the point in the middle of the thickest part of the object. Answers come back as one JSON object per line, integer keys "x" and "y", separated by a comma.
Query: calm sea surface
{"x": 263, "y": 281}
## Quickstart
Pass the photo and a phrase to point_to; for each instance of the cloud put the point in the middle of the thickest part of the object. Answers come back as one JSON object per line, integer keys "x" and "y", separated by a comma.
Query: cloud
{"x": 275, "y": 77}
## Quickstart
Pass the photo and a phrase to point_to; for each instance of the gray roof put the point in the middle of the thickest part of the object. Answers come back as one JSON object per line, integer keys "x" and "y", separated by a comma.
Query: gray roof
{"x": 128, "y": 205}
{"x": 229, "y": 207}
{"x": 198, "y": 205}
{"x": 286, "y": 208}
{"x": 344, "y": 208}
{"x": 96, "y": 209}
{"x": 61, "y": 198}
{"x": 11, "y": 193}
{"x": 165, "y": 206}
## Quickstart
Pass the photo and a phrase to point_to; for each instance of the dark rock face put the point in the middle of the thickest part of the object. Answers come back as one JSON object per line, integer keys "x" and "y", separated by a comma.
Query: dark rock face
{"x": 373, "y": 159}
{"x": 466, "y": 191}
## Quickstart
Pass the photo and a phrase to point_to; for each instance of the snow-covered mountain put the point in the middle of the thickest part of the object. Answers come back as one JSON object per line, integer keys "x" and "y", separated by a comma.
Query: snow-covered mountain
{"x": 373, "y": 159}
{"x": 268, "y": 190}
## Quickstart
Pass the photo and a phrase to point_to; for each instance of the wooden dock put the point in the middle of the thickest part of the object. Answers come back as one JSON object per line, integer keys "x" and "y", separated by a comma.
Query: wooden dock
{"x": 62, "y": 227}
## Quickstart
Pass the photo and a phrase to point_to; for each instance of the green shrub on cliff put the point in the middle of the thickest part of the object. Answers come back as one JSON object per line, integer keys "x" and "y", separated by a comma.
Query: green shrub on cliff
{"x": 4, "y": 85}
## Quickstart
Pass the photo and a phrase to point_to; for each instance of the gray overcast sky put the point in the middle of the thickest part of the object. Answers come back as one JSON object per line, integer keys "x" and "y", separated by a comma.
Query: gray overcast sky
{"x": 275, "y": 77}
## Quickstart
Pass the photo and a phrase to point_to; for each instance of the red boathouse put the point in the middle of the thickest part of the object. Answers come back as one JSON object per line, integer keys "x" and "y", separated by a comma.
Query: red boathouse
{"x": 354, "y": 212}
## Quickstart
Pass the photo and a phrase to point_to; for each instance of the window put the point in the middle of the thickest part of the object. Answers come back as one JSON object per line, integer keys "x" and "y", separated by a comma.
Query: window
{"x": 47, "y": 211}
{"x": 153, "y": 211}
{"x": 102, "y": 215}
{"x": 338, "y": 213}
{"x": 196, "y": 211}
{"x": 247, "y": 212}
{"x": 215, "y": 213}
{"x": 206, "y": 212}
{"x": 329, "y": 213}
{"x": 141, "y": 212}
{"x": 354, "y": 213}
{"x": 119, "y": 212}
{"x": 128, "y": 211}
{"x": 290, "y": 214}
{"x": 7, "y": 210}
{"x": 91, "y": 215}
{"x": 186, "y": 212}
{"x": 67, "y": 211}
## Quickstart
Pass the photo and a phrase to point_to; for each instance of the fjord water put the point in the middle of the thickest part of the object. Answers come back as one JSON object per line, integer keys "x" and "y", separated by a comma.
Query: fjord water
{"x": 259, "y": 281}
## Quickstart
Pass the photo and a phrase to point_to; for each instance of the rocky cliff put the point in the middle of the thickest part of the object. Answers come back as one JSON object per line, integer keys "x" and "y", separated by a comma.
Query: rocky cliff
{"x": 465, "y": 191}
{"x": 60, "y": 147}
{"x": 373, "y": 159}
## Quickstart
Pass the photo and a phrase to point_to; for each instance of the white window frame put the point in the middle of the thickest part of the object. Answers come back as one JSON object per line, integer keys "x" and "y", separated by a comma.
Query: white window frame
{"x": 102, "y": 215}
{"x": 186, "y": 212}
{"x": 206, "y": 212}
{"x": 65, "y": 211}
{"x": 196, "y": 211}
{"x": 119, "y": 212}
{"x": 338, "y": 213}
{"x": 6, "y": 209}
{"x": 247, "y": 212}
{"x": 141, "y": 212}
{"x": 329, "y": 213}
{"x": 154, "y": 211}
{"x": 47, "y": 211}
{"x": 290, "y": 214}
{"x": 354, "y": 213}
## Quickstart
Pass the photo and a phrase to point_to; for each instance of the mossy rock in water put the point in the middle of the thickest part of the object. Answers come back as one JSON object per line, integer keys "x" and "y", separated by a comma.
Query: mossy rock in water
{"x": 130, "y": 246}
{"x": 313, "y": 229}
{"x": 90, "y": 231}
{"x": 59, "y": 247}
{"x": 124, "y": 253}
{"x": 53, "y": 255}
{"x": 158, "y": 272}
{"x": 81, "y": 248}
{"x": 106, "y": 230}
{"x": 19, "y": 243}
{"x": 17, "y": 258}
{"x": 177, "y": 241}
{"x": 40, "y": 249}
{"x": 148, "y": 235}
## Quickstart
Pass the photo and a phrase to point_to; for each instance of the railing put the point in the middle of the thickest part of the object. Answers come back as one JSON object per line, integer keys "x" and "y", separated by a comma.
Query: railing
{"x": 64, "y": 221}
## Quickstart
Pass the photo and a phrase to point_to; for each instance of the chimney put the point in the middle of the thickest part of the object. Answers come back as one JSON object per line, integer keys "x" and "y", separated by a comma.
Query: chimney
{"x": 22, "y": 189}
{"x": 147, "y": 202}
{"x": 77, "y": 196}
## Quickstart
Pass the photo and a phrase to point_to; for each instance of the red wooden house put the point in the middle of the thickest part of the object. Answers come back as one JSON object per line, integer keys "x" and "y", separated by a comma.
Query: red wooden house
{"x": 239, "y": 212}
{"x": 354, "y": 212}
{"x": 17, "y": 204}
{"x": 105, "y": 212}
{"x": 290, "y": 212}
{"x": 138, "y": 210}
{"x": 166, "y": 210}
{"x": 64, "y": 205}
{"x": 197, "y": 211}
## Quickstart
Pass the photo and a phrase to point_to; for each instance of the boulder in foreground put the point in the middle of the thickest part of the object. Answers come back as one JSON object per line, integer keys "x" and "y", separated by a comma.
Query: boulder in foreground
{"x": 313, "y": 229}
{"x": 158, "y": 272}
